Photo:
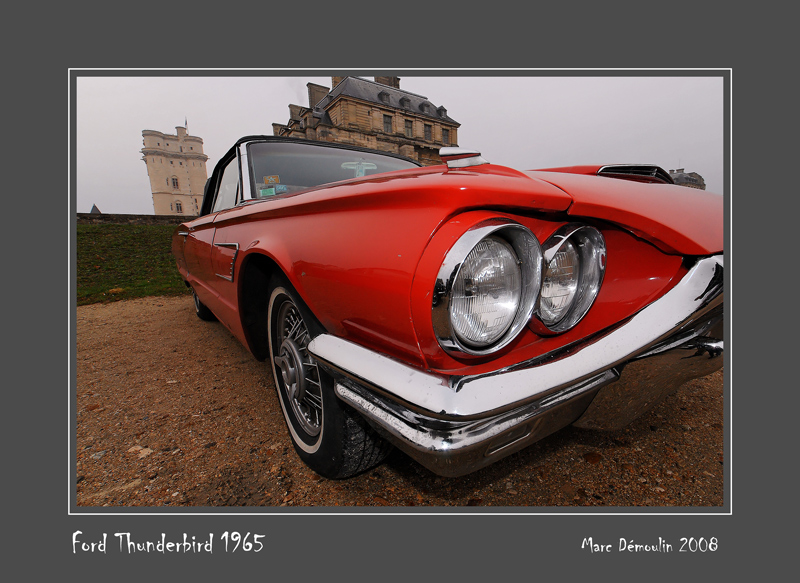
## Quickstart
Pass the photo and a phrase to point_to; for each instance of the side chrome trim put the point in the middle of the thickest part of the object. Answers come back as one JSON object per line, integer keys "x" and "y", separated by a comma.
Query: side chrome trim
{"x": 235, "y": 247}
{"x": 445, "y": 397}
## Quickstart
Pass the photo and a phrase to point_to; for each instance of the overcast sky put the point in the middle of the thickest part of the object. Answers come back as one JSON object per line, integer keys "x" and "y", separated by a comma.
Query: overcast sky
{"x": 524, "y": 122}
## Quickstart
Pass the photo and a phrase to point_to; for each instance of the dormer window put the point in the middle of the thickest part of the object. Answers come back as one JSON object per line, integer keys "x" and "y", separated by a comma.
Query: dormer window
{"x": 383, "y": 96}
{"x": 405, "y": 102}
{"x": 442, "y": 111}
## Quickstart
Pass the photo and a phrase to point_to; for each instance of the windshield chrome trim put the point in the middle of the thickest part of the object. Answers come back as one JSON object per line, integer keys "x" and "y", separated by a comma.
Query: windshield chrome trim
{"x": 244, "y": 175}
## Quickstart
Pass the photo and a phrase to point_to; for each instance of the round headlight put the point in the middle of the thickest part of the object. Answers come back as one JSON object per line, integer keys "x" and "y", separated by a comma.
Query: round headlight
{"x": 487, "y": 286}
{"x": 560, "y": 284}
{"x": 486, "y": 293}
{"x": 574, "y": 264}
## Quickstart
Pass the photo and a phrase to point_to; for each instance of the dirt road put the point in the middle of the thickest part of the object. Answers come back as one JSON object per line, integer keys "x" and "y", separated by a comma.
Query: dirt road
{"x": 173, "y": 411}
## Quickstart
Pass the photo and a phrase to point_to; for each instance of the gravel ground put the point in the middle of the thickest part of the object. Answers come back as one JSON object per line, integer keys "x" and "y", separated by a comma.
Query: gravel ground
{"x": 173, "y": 411}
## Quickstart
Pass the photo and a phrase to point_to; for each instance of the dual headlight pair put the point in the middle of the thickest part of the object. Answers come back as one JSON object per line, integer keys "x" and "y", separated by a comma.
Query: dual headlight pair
{"x": 497, "y": 278}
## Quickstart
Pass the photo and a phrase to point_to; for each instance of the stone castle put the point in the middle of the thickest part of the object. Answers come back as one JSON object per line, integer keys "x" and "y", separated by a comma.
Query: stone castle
{"x": 176, "y": 166}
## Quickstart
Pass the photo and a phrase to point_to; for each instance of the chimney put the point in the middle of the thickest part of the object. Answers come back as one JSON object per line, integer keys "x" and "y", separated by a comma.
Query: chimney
{"x": 336, "y": 80}
{"x": 390, "y": 81}
{"x": 315, "y": 94}
{"x": 294, "y": 112}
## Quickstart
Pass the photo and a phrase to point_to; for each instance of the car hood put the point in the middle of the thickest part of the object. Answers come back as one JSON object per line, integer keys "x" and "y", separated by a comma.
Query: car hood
{"x": 677, "y": 219}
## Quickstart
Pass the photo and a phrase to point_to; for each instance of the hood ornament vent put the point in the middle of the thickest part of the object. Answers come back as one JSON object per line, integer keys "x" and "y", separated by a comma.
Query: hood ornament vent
{"x": 461, "y": 157}
{"x": 639, "y": 172}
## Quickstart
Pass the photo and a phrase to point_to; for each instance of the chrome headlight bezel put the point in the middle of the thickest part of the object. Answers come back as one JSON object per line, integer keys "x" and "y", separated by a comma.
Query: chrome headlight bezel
{"x": 591, "y": 249}
{"x": 529, "y": 255}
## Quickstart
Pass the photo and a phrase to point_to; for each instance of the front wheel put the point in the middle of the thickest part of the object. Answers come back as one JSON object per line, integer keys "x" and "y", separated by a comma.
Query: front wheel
{"x": 329, "y": 437}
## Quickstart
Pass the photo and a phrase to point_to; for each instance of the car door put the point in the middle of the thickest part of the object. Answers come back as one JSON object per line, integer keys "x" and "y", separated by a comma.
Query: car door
{"x": 201, "y": 260}
{"x": 225, "y": 244}
{"x": 197, "y": 250}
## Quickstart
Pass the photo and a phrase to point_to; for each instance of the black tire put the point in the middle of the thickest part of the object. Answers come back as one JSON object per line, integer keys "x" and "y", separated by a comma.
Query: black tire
{"x": 202, "y": 310}
{"x": 330, "y": 438}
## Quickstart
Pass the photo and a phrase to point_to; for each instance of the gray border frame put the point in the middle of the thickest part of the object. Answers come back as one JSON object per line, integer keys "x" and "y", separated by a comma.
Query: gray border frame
{"x": 550, "y": 536}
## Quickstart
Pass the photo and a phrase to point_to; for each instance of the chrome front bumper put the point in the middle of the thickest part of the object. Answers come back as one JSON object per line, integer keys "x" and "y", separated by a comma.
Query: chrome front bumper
{"x": 455, "y": 425}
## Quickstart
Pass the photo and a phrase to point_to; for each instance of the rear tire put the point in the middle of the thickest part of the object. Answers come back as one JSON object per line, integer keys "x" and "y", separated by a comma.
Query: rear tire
{"x": 330, "y": 438}
{"x": 202, "y": 310}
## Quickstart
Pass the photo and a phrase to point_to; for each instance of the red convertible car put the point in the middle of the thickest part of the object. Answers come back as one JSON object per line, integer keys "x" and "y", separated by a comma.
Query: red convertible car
{"x": 461, "y": 311}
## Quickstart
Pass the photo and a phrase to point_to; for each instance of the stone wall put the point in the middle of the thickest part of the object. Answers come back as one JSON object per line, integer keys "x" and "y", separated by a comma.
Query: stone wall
{"x": 100, "y": 219}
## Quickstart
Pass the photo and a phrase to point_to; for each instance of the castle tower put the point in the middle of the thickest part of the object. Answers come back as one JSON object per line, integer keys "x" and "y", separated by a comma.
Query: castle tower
{"x": 176, "y": 166}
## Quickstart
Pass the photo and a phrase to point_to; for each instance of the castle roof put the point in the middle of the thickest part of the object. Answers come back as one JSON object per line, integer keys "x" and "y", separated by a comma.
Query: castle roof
{"x": 380, "y": 94}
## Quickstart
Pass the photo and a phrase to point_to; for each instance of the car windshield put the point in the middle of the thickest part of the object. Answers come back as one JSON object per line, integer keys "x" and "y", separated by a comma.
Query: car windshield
{"x": 279, "y": 168}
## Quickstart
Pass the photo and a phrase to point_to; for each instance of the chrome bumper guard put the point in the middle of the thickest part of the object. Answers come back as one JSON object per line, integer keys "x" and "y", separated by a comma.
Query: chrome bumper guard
{"x": 455, "y": 425}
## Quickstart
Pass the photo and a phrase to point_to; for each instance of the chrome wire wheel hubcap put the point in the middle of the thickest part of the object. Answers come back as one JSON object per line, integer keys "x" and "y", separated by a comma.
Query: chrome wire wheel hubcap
{"x": 298, "y": 370}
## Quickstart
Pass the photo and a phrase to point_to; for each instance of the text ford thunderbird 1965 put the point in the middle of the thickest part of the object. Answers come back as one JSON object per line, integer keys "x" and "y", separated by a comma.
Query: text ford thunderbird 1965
{"x": 459, "y": 312}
